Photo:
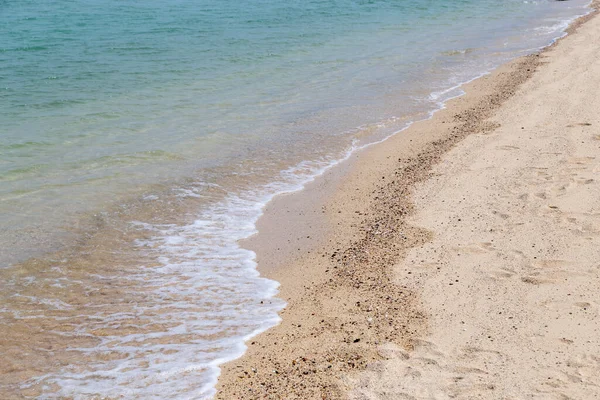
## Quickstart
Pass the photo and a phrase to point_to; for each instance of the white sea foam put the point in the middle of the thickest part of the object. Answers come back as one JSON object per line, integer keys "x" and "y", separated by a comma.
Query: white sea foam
{"x": 206, "y": 291}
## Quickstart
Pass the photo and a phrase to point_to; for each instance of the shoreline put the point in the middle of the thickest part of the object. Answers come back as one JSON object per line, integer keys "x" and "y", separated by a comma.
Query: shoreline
{"x": 342, "y": 317}
{"x": 98, "y": 263}
{"x": 97, "y": 268}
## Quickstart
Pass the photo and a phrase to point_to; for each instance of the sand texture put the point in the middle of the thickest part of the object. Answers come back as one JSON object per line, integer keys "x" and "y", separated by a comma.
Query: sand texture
{"x": 511, "y": 279}
{"x": 459, "y": 259}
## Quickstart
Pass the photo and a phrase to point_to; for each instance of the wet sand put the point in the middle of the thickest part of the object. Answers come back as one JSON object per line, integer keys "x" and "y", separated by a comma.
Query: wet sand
{"x": 458, "y": 259}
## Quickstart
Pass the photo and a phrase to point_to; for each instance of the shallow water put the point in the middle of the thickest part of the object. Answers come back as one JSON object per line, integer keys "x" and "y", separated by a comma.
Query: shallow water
{"x": 140, "y": 141}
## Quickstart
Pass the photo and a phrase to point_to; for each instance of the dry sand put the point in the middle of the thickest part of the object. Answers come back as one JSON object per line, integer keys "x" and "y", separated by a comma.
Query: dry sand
{"x": 459, "y": 259}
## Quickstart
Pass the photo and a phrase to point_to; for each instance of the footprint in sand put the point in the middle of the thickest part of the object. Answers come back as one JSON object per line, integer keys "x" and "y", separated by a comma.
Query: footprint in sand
{"x": 392, "y": 351}
{"x": 580, "y": 160}
{"x": 508, "y": 147}
{"x": 536, "y": 279}
{"x": 549, "y": 263}
{"x": 579, "y": 124}
{"x": 583, "y": 180}
{"x": 502, "y": 274}
{"x": 475, "y": 248}
{"x": 563, "y": 307}
{"x": 500, "y": 214}
{"x": 586, "y": 367}
{"x": 421, "y": 345}
{"x": 584, "y": 305}
{"x": 478, "y": 354}
{"x": 523, "y": 197}
{"x": 519, "y": 254}
{"x": 550, "y": 271}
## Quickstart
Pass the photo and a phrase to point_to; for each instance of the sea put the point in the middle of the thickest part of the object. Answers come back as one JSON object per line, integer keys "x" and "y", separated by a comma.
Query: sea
{"x": 141, "y": 140}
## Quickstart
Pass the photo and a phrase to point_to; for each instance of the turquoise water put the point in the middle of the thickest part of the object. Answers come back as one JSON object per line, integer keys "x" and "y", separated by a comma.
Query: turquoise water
{"x": 218, "y": 105}
{"x": 99, "y": 97}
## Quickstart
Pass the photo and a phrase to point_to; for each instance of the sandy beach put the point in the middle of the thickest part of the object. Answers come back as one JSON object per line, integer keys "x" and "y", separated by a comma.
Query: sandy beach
{"x": 458, "y": 259}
